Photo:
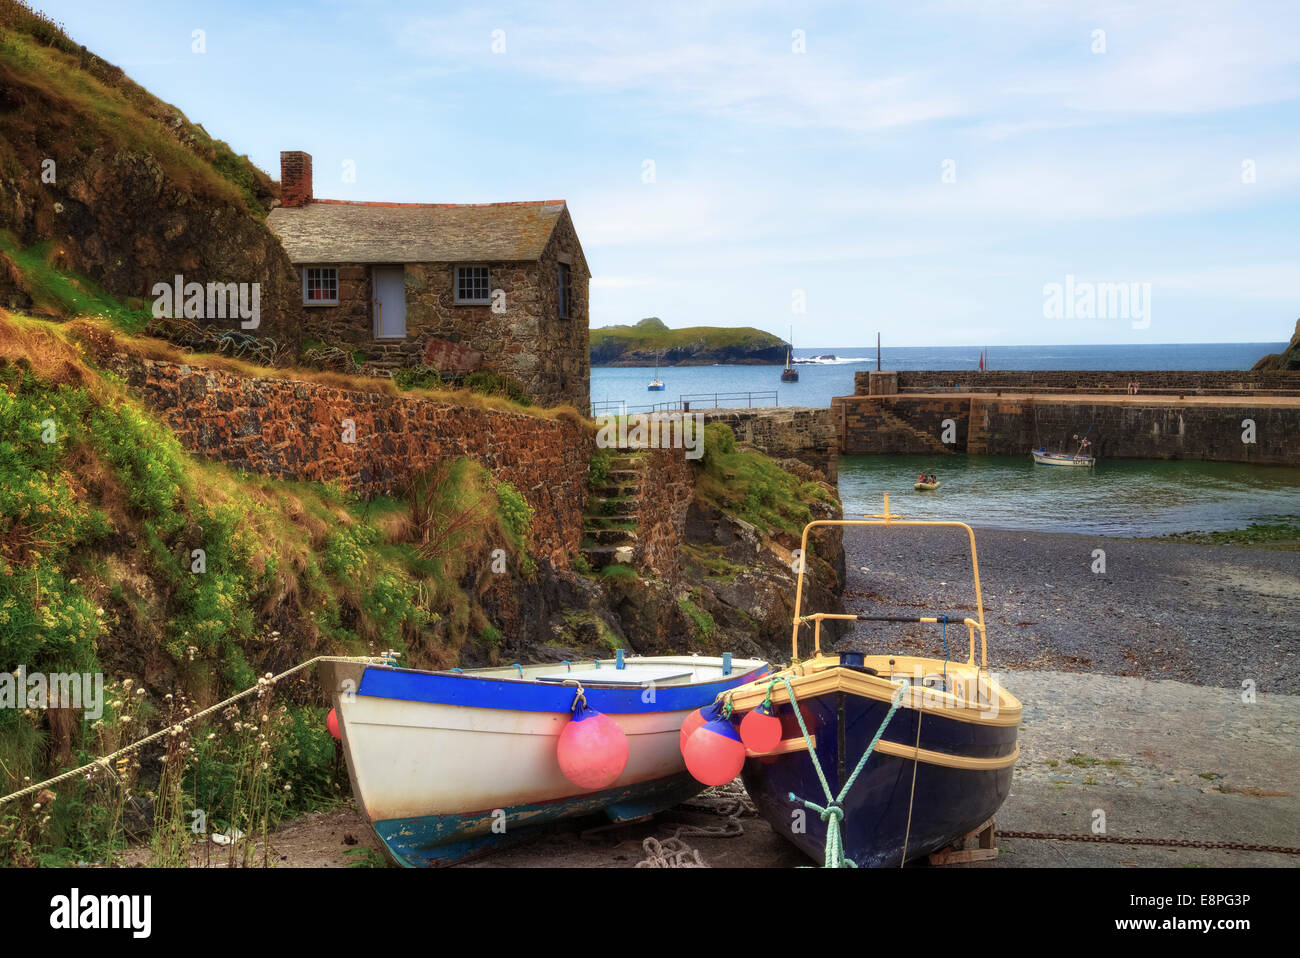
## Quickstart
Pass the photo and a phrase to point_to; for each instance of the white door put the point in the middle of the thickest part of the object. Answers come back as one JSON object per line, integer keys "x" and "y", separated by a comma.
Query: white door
{"x": 390, "y": 302}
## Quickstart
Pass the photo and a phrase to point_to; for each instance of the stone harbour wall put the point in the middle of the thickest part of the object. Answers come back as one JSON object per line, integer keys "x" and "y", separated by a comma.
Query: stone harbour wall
{"x": 1208, "y": 381}
{"x": 1158, "y": 428}
{"x": 296, "y": 430}
{"x": 786, "y": 432}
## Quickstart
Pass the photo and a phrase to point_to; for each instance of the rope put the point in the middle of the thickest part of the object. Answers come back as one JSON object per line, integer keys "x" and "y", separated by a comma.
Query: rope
{"x": 916, "y": 763}
{"x": 104, "y": 761}
{"x": 729, "y": 801}
{"x": 832, "y": 813}
{"x": 670, "y": 853}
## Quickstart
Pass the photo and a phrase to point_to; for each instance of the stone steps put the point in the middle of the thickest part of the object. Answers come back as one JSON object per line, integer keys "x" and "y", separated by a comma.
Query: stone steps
{"x": 932, "y": 443}
{"x": 609, "y": 533}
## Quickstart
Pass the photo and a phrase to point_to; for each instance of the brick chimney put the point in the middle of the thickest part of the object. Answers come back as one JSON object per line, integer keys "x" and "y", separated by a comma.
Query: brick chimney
{"x": 295, "y": 178}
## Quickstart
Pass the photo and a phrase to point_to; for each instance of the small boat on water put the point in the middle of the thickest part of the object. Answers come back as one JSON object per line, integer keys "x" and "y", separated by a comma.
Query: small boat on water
{"x": 1079, "y": 458}
{"x": 790, "y": 374}
{"x": 915, "y": 753}
{"x": 446, "y": 765}
{"x": 926, "y": 486}
{"x": 656, "y": 384}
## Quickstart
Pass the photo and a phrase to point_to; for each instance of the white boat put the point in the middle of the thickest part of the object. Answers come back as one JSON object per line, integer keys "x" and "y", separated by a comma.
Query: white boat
{"x": 445, "y": 765}
{"x": 656, "y": 384}
{"x": 1080, "y": 458}
{"x": 925, "y": 486}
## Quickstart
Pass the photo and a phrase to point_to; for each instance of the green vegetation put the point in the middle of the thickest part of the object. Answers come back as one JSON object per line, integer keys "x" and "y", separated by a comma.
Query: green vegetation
{"x": 482, "y": 383}
{"x": 712, "y": 559}
{"x": 102, "y": 110}
{"x": 616, "y": 571}
{"x": 751, "y": 487}
{"x": 701, "y": 621}
{"x": 64, "y": 293}
{"x": 1262, "y": 535}
{"x": 114, "y": 540}
{"x": 651, "y": 336}
{"x": 599, "y": 472}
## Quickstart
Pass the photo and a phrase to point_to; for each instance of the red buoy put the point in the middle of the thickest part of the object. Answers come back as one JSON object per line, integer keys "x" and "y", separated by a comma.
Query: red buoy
{"x": 760, "y": 730}
{"x": 592, "y": 749}
{"x": 714, "y": 753}
{"x": 698, "y": 718}
{"x": 332, "y": 723}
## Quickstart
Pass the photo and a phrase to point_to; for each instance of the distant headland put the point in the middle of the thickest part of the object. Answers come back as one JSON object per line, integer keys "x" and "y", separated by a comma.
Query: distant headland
{"x": 651, "y": 342}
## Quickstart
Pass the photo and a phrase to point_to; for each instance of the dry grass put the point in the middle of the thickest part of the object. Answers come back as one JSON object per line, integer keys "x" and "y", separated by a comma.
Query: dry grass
{"x": 102, "y": 341}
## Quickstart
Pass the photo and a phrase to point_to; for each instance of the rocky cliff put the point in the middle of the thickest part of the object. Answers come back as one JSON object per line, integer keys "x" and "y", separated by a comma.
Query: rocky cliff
{"x": 1287, "y": 359}
{"x": 101, "y": 181}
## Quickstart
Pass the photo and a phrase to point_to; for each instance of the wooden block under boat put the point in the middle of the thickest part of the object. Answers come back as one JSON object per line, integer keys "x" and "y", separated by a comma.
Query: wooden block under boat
{"x": 956, "y": 855}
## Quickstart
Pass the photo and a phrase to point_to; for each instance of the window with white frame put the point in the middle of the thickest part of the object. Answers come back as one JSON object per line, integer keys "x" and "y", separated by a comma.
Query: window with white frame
{"x": 564, "y": 289}
{"x": 320, "y": 286}
{"x": 473, "y": 285}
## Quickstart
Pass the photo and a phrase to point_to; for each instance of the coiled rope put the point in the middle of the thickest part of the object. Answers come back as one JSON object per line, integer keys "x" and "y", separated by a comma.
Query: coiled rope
{"x": 832, "y": 813}
{"x": 175, "y": 728}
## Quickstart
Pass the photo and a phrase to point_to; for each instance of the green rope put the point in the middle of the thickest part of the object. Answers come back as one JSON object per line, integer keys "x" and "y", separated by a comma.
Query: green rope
{"x": 832, "y": 813}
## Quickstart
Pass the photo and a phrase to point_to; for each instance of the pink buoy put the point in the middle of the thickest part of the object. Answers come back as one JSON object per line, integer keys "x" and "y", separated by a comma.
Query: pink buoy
{"x": 592, "y": 750}
{"x": 332, "y": 723}
{"x": 760, "y": 730}
{"x": 714, "y": 753}
{"x": 698, "y": 718}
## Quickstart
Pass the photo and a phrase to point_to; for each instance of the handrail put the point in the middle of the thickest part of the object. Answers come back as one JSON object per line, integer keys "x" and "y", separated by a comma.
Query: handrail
{"x": 886, "y": 519}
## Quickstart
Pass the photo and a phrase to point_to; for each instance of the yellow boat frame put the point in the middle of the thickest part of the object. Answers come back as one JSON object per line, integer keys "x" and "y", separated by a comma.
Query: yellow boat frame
{"x": 819, "y": 674}
{"x": 885, "y": 518}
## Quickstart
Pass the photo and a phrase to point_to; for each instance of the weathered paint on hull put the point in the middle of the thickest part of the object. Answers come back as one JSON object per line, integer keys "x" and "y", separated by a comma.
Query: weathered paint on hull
{"x": 447, "y": 839}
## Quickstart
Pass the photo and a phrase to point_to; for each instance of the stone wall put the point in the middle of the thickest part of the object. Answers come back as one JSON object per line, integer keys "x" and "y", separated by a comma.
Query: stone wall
{"x": 295, "y": 430}
{"x": 1085, "y": 381}
{"x": 788, "y": 432}
{"x": 1121, "y": 429}
{"x": 667, "y": 489}
{"x": 528, "y": 341}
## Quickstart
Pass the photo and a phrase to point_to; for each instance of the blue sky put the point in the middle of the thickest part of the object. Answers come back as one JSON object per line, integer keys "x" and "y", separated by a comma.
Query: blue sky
{"x": 1119, "y": 156}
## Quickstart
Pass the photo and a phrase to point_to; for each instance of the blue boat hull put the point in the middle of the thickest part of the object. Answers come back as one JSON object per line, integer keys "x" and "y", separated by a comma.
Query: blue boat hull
{"x": 439, "y": 840}
{"x": 948, "y": 802}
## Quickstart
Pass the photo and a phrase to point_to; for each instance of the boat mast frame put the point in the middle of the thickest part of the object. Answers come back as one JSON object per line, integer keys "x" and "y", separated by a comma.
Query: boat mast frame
{"x": 886, "y": 518}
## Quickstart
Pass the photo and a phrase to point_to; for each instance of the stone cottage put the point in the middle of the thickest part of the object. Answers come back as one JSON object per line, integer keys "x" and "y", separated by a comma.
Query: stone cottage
{"x": 495, "y": 286}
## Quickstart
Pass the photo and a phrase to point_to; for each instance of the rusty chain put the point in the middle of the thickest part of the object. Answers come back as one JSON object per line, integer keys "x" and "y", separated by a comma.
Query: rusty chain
{"x": 1165, "y": 842}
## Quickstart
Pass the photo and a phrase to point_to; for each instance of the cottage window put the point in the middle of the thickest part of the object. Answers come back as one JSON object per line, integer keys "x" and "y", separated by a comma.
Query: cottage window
{"x": 473, "y": 285}
{"x": 320, "y": 286}
{"x": 564, "y": 289}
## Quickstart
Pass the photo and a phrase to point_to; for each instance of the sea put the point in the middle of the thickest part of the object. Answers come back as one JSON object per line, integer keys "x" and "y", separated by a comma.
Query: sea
{"x": 1116, "y": 498}
{"x": 821, "y": 379}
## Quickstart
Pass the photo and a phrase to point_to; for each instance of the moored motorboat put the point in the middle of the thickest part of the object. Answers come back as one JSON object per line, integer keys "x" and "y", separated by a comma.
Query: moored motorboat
{"x": 446, "y": 765}
{"x": 881, "y": 759}
{"x": 1079, "y": 458}
{"x": 1045, "y": 458}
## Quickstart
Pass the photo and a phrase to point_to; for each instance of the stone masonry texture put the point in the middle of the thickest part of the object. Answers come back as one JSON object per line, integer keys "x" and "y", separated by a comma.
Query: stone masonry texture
{"x": 295, "y": 430}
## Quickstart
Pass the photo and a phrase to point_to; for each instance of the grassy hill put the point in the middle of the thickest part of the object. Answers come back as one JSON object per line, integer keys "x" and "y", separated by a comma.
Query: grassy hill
{"x": 651, "y": 339}
{"x": 114, "y": 190}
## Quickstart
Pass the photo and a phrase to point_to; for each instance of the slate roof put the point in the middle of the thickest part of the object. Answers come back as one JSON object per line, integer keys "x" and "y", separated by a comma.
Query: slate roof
{"x": 336, "y": 231}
